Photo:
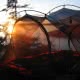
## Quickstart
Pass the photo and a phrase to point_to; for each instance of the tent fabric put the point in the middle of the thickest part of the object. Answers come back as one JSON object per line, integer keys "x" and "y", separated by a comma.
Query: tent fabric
{"x": 67, "y": 21}
{"x": 63, "y": 14}
{"x": 27, "y": 39}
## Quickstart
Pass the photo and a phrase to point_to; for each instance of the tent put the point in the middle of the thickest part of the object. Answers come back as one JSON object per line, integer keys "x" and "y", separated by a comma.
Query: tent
{"x": 35, "y": 34}
{"x": 26, "y": 40}
{"x": 68, "y": 22}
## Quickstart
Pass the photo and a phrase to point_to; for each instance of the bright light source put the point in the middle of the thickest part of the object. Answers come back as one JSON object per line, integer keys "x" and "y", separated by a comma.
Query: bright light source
{"x": 1, "y": 27}
{"x": 2, "y": 35}
{"x": 3, "y": 18}
{"x": 10, "y": 26}
{"x": 10, "y": 29}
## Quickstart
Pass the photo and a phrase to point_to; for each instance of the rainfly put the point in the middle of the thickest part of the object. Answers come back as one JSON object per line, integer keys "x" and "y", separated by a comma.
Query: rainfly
{"x": 62, "y": 14}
